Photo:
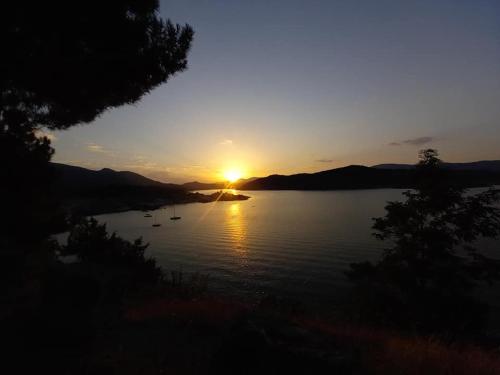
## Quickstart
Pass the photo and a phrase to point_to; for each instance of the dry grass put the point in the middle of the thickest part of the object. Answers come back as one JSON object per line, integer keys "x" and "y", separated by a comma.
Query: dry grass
{"x": 380, "y": 351}
{"x": 388, "y": 353}
{"x": 428, "y": 356}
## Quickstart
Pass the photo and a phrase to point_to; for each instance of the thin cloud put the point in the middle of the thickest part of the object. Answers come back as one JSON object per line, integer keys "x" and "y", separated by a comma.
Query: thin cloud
{"x": 94, "y": 147}
{"x": 143, "y": 165}
{"x": 226, "y": 142}
{"x": 419, "y": 141}
{"x": 141, "y": 162}
{"x": 324, "y": 160}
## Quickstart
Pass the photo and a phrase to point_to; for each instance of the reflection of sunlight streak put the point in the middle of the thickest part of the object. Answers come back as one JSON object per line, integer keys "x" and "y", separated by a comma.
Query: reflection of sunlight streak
{"x": 211, "y": 206}
{"x": 234, "y": 209}
{"x": 236, "y": 228}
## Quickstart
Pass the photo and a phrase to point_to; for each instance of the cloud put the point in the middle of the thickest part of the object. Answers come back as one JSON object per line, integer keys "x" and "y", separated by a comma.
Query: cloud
{"x": 419, "y": 141}
{"x": 147, "y": 165}
{"x": 324, "y": 160}
{"x": 226, "y": 142}
{"x": 93, "y": 147}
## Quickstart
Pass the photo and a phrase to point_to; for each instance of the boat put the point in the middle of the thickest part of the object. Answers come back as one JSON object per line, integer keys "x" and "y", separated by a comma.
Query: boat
{"x": 155, "y": 223}
{"x": 148, "y": 215}
{"x": 175, "y": 217}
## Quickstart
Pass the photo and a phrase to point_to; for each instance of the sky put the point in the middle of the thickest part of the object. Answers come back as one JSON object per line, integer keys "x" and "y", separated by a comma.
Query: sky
{"x": 288, "y": 86}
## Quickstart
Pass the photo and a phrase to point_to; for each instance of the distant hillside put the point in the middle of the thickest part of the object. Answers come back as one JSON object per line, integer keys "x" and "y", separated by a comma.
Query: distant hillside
{"x": 484, "y": 165}
{"x": 86, "y": 192}
{"x": 360, "y": 177}
{"x": 109, "y": 185}
{"x": 351, "y": 177}
{"x": 195, "y": 185}
{"x": 78, "y": 178}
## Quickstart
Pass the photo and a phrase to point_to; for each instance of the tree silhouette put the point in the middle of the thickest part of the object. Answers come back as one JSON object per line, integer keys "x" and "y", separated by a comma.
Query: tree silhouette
{"x": 426, "y": 279}
{"x": 91, "y": 243}
{"x": 64, "y": 64}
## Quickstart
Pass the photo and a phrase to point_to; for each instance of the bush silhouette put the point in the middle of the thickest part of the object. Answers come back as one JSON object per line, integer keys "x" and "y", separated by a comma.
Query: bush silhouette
{"x": 124, "y": 261}
{"x": 426, "y": 279}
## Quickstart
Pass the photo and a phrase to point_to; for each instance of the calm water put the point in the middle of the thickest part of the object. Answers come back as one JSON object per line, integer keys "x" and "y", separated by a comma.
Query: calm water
{"x": 291, "y": 243}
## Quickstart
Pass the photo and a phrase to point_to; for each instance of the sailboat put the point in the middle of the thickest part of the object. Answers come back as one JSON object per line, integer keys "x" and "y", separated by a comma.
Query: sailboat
{"x": 155, "y": 223}
{"x": 175, "y": 217}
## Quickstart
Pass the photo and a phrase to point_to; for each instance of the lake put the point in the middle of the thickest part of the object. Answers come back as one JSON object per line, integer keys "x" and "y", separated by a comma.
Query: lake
{"x": 295, "y": 244}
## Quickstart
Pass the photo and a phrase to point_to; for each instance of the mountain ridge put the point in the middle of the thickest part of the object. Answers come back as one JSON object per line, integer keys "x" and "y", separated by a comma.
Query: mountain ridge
{"x": 362, "y": 177}
{"x": 478, "y": 173}
{"x": 485, "y": 165}
{"x": 80, "y": 178}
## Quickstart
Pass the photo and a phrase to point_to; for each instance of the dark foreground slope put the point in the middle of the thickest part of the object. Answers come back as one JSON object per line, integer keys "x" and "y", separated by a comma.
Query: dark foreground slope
{"x": 360, "y": 177}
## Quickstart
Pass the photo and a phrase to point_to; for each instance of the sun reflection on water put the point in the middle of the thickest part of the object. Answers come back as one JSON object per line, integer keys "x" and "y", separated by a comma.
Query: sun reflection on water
{"x": 237, "y": 228}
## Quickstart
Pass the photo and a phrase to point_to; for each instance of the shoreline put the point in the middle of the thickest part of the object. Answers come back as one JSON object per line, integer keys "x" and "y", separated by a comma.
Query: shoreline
{"x": 92, "y": 206}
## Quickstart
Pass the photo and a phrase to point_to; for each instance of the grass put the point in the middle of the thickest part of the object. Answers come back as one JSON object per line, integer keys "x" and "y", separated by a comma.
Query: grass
{"x": 385, "y": 352}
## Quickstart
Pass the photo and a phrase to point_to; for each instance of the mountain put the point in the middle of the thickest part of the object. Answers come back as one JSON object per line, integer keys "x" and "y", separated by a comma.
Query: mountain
{"x": 361, "y": 177}
{"x": 351, "y": 177}
{"x": 195, "y": 185}
{"x": 86, "y": 192}
{"x": 111, "y": 185}
{"x": 394, "y": 166}
{"x": 77, "y": 178}
{"x": 484, "y": 165}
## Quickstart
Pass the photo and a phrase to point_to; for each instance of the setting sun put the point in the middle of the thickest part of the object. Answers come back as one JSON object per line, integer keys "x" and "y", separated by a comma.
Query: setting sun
{"x": 232, "y": 175}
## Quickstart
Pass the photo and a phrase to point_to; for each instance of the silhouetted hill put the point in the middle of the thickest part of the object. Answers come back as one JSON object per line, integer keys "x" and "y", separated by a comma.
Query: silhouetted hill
{"x": 195, "y": 185}
{"x": 87, "y": 192}
{"x": 360, "y": 177}
{"x": 108, "y": 185}
{"x": 484, "y": 165}
{"x": 394, "y": 166}
{"x": 78, "y": 178}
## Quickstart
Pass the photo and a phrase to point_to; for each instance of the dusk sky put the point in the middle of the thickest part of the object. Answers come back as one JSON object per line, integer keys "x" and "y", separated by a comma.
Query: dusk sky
{"x": 291, "y": 86}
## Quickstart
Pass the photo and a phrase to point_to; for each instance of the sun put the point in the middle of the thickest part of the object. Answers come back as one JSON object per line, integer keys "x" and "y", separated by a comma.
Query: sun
{"x": 232, "y": 175}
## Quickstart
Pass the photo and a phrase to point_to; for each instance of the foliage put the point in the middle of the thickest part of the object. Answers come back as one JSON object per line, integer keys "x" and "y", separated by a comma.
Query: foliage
{"x": 91, "y": 243}
{"x": 426, "y": 279}
{"x": 25, "y": 187}
{"x": 389, "y": 352}
{"x": 65, "y": 63}
{"x": 61, "y": 67}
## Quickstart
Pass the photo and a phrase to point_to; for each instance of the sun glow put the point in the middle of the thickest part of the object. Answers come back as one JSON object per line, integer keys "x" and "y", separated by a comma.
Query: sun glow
{"x": 232, "y": 175}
